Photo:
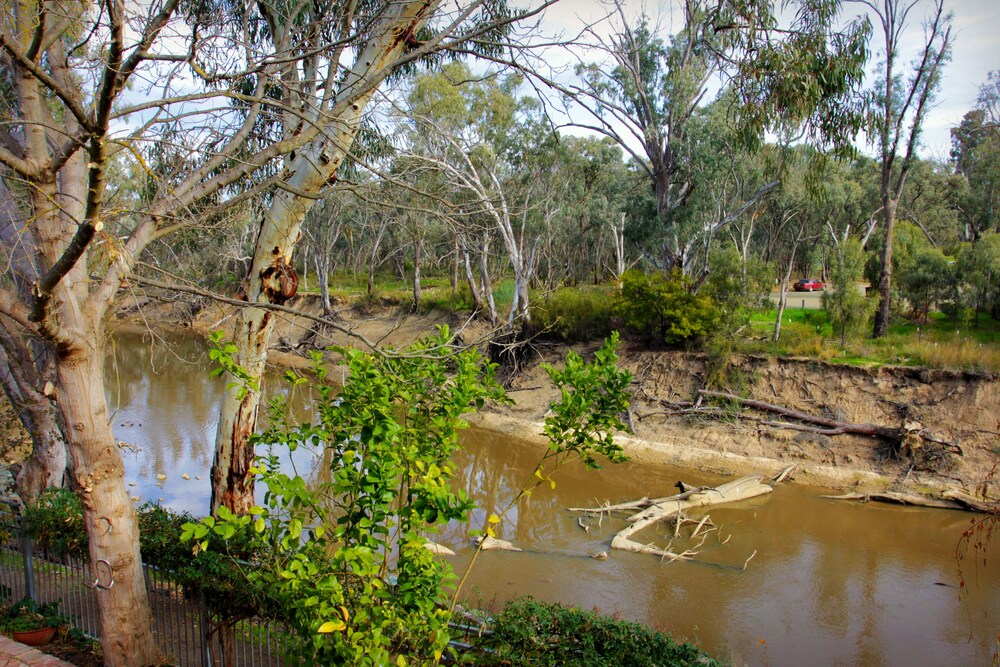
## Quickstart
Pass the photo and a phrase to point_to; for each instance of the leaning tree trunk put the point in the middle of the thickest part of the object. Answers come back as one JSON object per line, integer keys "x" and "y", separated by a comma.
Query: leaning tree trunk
{"x": 97, "y": 474}
{"x": 783, "y": 294}
{"x": 272, "y": 280}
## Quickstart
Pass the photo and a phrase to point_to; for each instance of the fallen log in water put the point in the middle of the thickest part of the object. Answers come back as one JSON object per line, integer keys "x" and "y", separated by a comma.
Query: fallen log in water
{"x": 743, "y": 488}
{"x": 951, "y": 500}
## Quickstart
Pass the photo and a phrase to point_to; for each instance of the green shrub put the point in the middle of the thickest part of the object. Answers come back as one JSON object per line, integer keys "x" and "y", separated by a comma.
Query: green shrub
{"x": 574, "y": 314}
{"x": 27, "y": 615}
{"x": 664, "y": 309}
{"x": 533, "y": 633}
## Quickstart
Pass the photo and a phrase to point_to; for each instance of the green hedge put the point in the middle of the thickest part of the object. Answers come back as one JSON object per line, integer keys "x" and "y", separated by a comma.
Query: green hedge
{"x": 528, "y": 632}
{"x": 55, "y": 523}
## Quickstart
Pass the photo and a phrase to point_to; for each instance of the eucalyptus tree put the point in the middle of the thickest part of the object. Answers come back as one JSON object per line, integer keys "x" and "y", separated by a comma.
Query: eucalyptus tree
{"x": 474, "y": 139}
{"x": 848, "y": 307}
{"x": 586, "y": 241}
{"x": 805, "y": 75}
{"x": 979, "y": 268}
{"x": 898, "y": 117}
{"x": 976, "y": 153}
{"x": 257, "y": 100}
{"x": 328, "y": 62}
{"x": 55, "y": 145}
{"x": 933, "y": 200}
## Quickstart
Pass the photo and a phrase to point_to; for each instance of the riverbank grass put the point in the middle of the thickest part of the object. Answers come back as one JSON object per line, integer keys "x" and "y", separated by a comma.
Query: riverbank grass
{"x": 936, "y": 343}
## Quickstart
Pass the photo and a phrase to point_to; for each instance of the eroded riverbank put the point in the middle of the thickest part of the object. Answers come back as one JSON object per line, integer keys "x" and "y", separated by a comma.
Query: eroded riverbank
{"x": 958, "y": 407}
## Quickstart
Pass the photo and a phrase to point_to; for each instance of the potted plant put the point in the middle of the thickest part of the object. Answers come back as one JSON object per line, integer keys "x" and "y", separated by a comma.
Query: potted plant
{"x": 31, "y": 623}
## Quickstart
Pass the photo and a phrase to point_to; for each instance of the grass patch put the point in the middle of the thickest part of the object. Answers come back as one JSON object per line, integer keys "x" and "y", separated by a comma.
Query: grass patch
{"x": 574, "y": 314}
{"x": 936, "y": 343}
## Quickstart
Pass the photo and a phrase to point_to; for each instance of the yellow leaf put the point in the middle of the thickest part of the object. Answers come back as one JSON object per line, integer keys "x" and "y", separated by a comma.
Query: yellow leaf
{"x": 489, "y": 531}
{"x": 494, "y": 518}
{"x": 343, "y": 612}
{"x": 331, "y": 626}
{"x": 552, "y": 483}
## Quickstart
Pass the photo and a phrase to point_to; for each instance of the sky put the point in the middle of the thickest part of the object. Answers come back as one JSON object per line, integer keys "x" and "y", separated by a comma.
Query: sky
{"x": 975, "y": 53}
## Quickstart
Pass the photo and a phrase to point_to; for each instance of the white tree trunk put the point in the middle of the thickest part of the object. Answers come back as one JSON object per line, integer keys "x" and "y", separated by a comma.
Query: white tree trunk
{"x": 272, "y": 279}
{"x": 97, "y": 474}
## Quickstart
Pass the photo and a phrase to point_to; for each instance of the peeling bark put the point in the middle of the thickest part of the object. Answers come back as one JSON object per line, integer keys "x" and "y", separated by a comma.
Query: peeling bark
{"x": 97, "y": 474}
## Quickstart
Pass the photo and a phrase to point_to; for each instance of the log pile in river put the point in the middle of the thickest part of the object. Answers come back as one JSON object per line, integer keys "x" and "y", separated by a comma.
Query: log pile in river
{"x": 659, "y": 509}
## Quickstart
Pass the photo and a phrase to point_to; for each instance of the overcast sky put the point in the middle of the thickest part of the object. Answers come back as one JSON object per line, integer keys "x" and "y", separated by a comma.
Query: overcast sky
{"x": 976, "y": 50}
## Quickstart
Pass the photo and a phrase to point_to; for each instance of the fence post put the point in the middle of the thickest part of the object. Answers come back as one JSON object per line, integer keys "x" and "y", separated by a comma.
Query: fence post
{"x": 29, "y": 571}
{"x": 206, "y": 642}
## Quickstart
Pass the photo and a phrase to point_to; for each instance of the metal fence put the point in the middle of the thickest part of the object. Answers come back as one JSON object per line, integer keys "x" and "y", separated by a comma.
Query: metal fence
{"x": 182, "y": 624}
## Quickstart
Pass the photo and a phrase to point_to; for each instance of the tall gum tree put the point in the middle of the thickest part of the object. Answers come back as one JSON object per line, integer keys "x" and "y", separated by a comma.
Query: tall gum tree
{"x": 324, "y": 94}
{"x": 54, "y": 149}
{"x": 804, "y": 76}
{"x": 898, "y": 116}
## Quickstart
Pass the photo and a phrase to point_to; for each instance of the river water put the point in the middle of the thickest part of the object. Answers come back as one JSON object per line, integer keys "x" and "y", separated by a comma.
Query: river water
{"x": 827, "y": 582}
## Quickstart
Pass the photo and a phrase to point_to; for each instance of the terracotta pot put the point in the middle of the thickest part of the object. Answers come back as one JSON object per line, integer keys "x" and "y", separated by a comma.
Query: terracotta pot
{"x": 37, "y": 637}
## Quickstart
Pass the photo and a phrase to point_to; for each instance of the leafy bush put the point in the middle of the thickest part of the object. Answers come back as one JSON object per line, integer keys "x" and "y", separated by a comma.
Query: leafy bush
{"x": 574, "y": 314}
{"x": 27, "y": 615}
{"x": 664, "y": 309}
{"x": 533, "y": 633}
{"x": 346, "y": 564}
{"x": 737, "y": 288}
{"x": 55, "y": 522}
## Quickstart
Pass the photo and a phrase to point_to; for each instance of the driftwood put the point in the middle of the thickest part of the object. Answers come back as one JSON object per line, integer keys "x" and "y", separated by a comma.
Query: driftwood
{"x": 951, "y": 500}
{"x": 493, "y": 544}
{"x": 826, "y": 426}
{"x": 438, "y": 549}
{"x": 740, "y": 489}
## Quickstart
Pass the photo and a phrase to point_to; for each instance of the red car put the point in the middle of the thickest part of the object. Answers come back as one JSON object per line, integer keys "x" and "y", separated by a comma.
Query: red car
{"x": 809, "y": 285}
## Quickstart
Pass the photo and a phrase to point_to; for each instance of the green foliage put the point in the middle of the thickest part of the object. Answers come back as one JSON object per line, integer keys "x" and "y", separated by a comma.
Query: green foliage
{"x": 926, "y": 279}
{"x": 55, "y": 522}
{"x": 533, "y": 633}
{"x": 223, "y": 352}
{"x": 26, "y": 615}
{"x": 979, "y": 268}
{"x": 574, "y": 314}
{"x": 664, "y": 309}
{"x": 346, "y": 566}
{"x": 592, "y": 398}
{"x": 737, "y": 287}
{"x": 845, "y": 303}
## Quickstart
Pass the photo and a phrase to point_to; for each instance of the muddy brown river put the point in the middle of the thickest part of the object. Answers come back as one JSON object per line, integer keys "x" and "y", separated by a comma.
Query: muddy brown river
{"x": 826, "y": 583}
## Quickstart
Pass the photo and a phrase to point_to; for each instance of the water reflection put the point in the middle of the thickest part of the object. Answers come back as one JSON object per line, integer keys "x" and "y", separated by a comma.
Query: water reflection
{"x": 831, "y": 583}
